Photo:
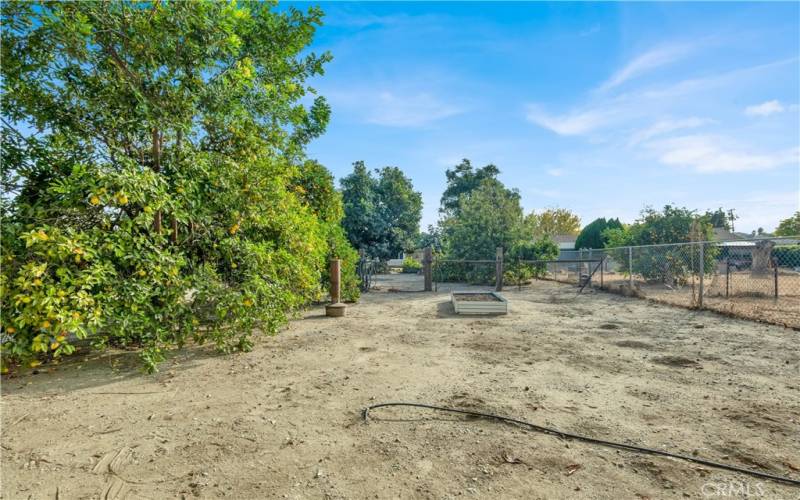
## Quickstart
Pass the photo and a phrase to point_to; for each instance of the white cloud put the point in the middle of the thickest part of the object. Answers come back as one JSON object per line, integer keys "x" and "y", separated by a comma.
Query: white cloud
{"x": 665, "y": 127}
{"x": 555, "y": 172}
{"x": 712, "y": 154}
{"x": 740, "y": 77}
{"x": 394, "y": 108}
{"x": 574, "y": 123}
{"x": 765, "y": 108}
{"x": 602, "y": 111}
{"x": 650, "y": 60}
{"x": 409, "y": 110}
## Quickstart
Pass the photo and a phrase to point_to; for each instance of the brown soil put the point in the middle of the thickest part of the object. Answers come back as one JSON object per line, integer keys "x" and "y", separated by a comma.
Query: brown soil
{"x": 747, "y": 297}
{"x": 283, "y": 421}
{"x": 476, "y": 297}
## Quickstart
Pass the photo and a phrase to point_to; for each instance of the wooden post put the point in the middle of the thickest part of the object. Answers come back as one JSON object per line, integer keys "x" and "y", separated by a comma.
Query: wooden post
{"x": 336, "y": 279}
{"x": 427, "y": 268}
{"x": 498, "y": 270}
{"x": 336, "y": 309}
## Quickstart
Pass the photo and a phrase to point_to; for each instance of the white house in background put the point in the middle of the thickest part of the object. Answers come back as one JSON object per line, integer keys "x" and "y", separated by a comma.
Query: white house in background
{"x": 565, "y": 241}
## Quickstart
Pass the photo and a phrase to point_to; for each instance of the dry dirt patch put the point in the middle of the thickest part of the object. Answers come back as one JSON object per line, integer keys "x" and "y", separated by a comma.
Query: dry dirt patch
{"x": 283, "y": 421}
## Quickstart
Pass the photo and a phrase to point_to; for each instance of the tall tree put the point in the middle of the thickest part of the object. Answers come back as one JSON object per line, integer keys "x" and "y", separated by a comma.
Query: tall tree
{"x": 462, "y": 180}
{"x": 382, "y": 213}
{"x": 721, "y": 218}
{"x": 592, "y": 235}
{"x": 553, "y": 221}
{"x": 360, "y": 207}
{"x": 488, "y": 218}
{"x": 399, "y": 210}
{"x": 153, "y": 153}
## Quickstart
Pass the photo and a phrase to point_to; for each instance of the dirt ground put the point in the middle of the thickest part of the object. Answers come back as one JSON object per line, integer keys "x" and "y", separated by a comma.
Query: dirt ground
{"x": 283, "y": 421}
{"x": 748, "y": 297}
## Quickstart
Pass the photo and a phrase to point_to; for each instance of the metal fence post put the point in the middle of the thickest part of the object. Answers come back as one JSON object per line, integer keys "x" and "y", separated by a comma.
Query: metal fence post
{"x": 427, "y": 271}
{"x": 727, "y": 277}
{"x": 499, "y": 270}
{"x": 702, "y": 274}
{"x": 602, "y": 264}
{"x": 776, "y": 281}
{"x": 630, "y": 267}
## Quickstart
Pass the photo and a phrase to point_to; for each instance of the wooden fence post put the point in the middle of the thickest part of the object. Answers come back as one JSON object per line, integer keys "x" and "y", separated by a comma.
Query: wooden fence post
{"x": 336, "y": 309}
{"x": 427, "y": 268}
{"x": 498, "y": 270}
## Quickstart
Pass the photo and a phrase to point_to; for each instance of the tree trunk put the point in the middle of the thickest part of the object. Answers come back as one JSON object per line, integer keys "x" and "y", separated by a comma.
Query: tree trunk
{"x": 762, "y": 257}
{"x": 174, "y": 230}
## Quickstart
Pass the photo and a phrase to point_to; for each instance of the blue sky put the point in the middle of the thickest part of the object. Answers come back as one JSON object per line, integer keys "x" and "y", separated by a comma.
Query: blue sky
{"x": 601, "y": 108}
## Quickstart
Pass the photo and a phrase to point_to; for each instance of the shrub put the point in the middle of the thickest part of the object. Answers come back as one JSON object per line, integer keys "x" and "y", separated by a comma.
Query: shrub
{"x": 518, "y": 271}
{"x": 787, "y": 255}
{"x": 411, "y": 265}
{"x": 166, "y": 196}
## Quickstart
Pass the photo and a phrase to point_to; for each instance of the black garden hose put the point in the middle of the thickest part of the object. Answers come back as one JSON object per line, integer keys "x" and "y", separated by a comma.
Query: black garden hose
{"x": 587, "y": 439}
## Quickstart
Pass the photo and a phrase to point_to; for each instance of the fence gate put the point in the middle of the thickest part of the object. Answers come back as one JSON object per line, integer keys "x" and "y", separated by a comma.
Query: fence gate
{"x": 389, "y": 276}
{"x": 366, "y": 269}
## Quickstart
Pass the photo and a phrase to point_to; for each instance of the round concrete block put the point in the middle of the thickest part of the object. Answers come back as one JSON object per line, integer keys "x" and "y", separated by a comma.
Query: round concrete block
{"x": 337, "y": 310}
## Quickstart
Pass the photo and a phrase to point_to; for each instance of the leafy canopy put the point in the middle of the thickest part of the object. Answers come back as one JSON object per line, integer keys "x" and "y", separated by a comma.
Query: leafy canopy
{"x": 670, "y": 225}
{"x": 488, "y": 217}
{"x": 592, "y": 236}
{"x": 462, "y": 180}
{"x": 721, "y": 218}
{"x": 789, "y": 226}
{"x": 154, "y": 174}
{"x": 382, "y": 213}
{"x": 553, "y": 221}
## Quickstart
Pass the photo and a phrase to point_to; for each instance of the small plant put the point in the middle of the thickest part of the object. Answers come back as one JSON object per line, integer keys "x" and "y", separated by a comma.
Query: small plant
{"x": 411, "y": 265}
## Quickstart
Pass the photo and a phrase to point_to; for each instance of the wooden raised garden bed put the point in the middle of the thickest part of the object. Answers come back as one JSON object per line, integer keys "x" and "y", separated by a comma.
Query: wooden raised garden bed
{"x": 479, "y": 303}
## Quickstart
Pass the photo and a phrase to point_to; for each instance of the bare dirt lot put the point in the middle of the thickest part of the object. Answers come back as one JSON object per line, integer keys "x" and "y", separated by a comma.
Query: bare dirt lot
{"x": 284, "y": 420}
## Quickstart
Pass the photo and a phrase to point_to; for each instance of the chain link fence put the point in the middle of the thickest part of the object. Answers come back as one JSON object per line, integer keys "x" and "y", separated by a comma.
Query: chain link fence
{"x": 451, "y": 274}
{"x": 754, "y": 279}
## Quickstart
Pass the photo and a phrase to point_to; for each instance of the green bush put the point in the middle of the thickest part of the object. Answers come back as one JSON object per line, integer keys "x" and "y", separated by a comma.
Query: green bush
{"x": 787, "y": 255}
{"x": 166, "y": 196}
{"x": 518, "y": 271}
{"x": 461, "y": 272}
{"x": 663, "y": 263}
{"x": 411, "y": 265}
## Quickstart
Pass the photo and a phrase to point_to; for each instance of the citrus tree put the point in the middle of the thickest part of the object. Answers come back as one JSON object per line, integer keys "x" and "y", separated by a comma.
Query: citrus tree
{"x": 154, "y": 179}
